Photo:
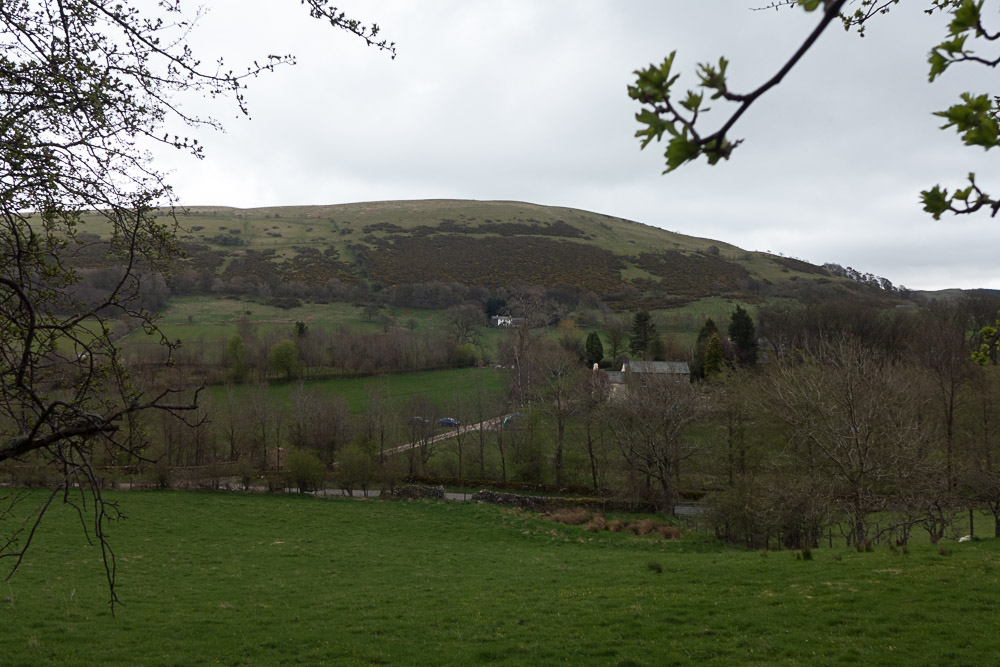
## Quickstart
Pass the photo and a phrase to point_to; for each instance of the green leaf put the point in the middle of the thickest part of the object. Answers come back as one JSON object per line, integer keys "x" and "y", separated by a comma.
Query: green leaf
{"x": 965, "y": 17}
{"x": 975, "y": 119}
{"x": 681, "y": 149}
{"x": 693, "y": 101}
{"x": 963, "y": 194}
{"x": 935, "y": 201}
{"x": 944, "y": 54}
{"x": 655, "y": 126}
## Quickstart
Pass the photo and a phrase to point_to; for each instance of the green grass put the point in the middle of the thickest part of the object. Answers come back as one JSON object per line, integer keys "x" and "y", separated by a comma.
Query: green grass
{"x": 240, "y": 580}
{"x": 192, "y": 318}
{"x": 440, "y": 387}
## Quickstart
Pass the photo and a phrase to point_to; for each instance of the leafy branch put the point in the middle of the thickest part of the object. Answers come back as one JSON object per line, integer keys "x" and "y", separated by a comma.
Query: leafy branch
{"x": 664, "y": 114}
{"x": 976, "y": 118}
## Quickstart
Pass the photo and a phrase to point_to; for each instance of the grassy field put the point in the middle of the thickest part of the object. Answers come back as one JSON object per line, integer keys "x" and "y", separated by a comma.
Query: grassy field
{"x": 440, "y": 387}
{"x": 262, "y": 580}
{"x": 192, "y": 318}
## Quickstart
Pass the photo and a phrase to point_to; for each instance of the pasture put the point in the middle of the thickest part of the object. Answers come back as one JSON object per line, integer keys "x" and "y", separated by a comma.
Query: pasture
{"x": 190, "y": 318}
{"x": 237, "y": 579}
{"x": 443, "y": 388}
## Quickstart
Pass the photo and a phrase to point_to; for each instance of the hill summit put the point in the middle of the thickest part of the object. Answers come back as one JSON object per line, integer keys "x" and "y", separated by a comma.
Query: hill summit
{"x": 376, "y": 246}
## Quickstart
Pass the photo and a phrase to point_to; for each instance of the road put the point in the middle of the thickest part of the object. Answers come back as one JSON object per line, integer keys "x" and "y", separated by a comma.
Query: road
{"x": 491, "y": 424}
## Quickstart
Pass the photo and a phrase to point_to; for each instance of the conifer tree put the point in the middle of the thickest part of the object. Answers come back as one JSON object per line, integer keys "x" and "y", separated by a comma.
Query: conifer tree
{"x": 713, "y": 357}
{"x": 743, "y": 335}
{"x": 642, "y": 334}
{"x": 594, "y": 348}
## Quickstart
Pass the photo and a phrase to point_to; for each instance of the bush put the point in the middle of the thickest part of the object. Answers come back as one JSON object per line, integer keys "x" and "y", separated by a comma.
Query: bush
{"x": 597, "y": 524}
{"x": 642, "y": 527}
{"x": 571, "y": 516}
{"x": 654, "y": 527}
{"x": 670, "y": 532}
{"x": 162, "y": 473}
{"x": 357, "y": 468}
{"x": 304, "y": 471}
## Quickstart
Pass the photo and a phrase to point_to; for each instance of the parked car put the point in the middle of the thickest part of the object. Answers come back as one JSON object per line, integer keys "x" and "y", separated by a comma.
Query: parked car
{"x": 448, "y": 421}
{"x": 418, "y": 421}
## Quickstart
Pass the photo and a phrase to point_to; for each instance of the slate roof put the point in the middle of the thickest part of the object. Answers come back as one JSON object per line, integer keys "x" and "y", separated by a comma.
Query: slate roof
{"x": 668, "y": 367}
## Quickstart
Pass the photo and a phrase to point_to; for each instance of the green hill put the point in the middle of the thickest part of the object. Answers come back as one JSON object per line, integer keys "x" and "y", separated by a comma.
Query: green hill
{"x": 378, "y": 246}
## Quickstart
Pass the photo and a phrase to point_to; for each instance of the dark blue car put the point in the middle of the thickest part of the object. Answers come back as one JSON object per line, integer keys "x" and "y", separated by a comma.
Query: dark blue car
{"x": 448, "y": 421}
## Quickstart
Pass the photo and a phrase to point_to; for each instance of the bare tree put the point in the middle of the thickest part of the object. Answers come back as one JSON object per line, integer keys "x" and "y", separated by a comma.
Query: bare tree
{"x": 616, "y": 331}
{"x": 983, "y": 476}
{"x": 378, "y": 420}
{"x": 534, "y": 311}
{"x": 735, "y": 413}
{"x": 649, "y": 426}
{"x": 943, "y": 348}
{"x": 265, "y": 421}
{"x": 562, "y": 383}
{"x": 484, "y": 407}
{"x": 854, "y": 420}
{"x": 320, "y": 423}
{"x": 86, "y": 87}
{"x": 465, "y": 323}
{"x": 593, "y": 407}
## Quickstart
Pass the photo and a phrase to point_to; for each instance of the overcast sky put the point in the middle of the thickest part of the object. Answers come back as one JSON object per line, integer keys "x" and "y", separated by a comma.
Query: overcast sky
{"x": 526, "y": 100}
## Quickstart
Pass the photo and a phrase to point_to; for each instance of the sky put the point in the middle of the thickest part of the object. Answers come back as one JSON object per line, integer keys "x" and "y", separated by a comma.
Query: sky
{"x": 526, "y": 100}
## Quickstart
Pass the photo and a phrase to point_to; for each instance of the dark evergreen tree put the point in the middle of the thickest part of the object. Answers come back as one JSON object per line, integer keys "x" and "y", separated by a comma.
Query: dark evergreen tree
{"x": 657, "y": 351}
{"x": 494, "y": 306}
{"x": 594, "y": 348}
{"x": 698, "y": 357}
{"x": 707, "y": 330}
{"x": 713, "y": 357}
{"x": 642, "y": 334}
{"x": 743, "y": 336}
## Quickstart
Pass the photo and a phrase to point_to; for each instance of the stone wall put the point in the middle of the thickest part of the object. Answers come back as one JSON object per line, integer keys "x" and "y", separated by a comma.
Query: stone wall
{"x": 415, "y": 492}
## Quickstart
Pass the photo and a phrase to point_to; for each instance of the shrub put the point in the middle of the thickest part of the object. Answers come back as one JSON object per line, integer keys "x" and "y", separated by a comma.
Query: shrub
{"x": 162, "y": 473}
{"x": 597, "y": 524}
{"x": 654, "y": 527}
{"x": 284, "y": 302}
{"x": 642, "y": 527}
{"x": 357, "y": 468}
{"x": 571, "y": 516}
{"x": 616, "y": 526}
{"x": 304, "y": 470}
{"x": 670, "y": 532}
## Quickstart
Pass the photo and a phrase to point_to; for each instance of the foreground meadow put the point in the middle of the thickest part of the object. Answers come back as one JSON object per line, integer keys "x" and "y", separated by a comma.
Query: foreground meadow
{"x": 251, "y": 579}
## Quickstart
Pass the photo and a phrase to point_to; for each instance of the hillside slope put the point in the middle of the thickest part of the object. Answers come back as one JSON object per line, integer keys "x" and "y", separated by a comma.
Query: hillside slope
{"x": 487, "y": 244}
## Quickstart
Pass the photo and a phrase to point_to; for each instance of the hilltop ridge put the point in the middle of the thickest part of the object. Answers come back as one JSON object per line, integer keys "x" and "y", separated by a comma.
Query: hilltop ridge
{"x": 377, "y": 246}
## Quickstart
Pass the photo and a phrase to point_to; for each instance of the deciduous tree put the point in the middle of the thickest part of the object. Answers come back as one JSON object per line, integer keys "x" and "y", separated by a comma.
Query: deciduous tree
{"x": 650, "y": 426}
{"x": 615, "y": 330}
{"x": 855, "y": 422}
{"x": 86, "y": 87}
{"x": 284, "y": 358}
